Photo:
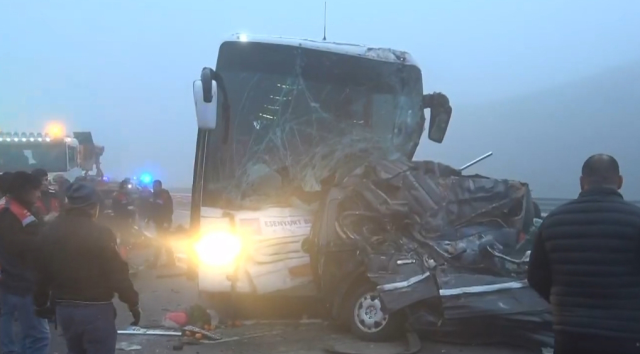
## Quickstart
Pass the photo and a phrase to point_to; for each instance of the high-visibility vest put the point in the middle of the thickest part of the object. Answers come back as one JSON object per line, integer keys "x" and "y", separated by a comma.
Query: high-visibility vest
{"x": 18, "y": 210}
{"x": 53, "y": 207}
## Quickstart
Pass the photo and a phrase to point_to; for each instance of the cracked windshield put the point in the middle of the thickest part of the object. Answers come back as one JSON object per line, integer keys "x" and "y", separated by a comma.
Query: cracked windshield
{"x": 340, "y": 177}
{"x": 297, "y": 114}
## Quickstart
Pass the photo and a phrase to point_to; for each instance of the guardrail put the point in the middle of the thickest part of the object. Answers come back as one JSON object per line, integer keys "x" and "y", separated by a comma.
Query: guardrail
{"x": 548, "y": 204}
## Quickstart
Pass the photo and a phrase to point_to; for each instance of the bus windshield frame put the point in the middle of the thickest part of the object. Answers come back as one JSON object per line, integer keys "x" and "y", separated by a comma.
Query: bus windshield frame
{"x": 290, "y": 104}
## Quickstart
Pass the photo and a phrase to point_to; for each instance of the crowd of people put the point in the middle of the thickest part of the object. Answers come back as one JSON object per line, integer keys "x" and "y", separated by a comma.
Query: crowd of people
{"x": 45, "y": 234}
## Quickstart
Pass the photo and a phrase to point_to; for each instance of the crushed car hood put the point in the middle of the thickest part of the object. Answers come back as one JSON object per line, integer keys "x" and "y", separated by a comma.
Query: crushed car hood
{"x": 426, "y": 234}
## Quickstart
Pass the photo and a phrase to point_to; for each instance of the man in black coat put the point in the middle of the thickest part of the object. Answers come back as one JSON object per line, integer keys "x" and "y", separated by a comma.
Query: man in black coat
{"x": 586, "y": 262}
{"x": 18, "y": 239}
{"x": 162, "y": 218}
{"x": 5, "y": 179}
{"x": 79, "y": 265}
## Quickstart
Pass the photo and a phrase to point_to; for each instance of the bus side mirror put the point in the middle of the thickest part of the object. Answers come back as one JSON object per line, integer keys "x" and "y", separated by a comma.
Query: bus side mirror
{"x": 440, "y": 115}
{"x": 205, "y": 95}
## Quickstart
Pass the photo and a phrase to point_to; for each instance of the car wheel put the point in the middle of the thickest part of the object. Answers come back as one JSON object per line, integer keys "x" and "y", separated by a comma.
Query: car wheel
{"x": 367, "y": 318}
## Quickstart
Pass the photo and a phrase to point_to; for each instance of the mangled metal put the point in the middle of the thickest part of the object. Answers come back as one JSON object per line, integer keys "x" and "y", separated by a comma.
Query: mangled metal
{"x": 451, "y": 248}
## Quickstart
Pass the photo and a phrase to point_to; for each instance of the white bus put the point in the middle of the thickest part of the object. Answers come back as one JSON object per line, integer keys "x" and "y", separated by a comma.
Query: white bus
{"x": 277, "y": 119}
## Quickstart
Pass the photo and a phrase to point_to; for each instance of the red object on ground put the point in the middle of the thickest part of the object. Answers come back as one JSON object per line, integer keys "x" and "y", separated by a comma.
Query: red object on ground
{"x": 180, "y": 319}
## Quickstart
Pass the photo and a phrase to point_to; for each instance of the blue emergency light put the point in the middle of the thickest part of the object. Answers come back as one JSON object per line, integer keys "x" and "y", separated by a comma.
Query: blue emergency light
{"x": 145, "y": 178}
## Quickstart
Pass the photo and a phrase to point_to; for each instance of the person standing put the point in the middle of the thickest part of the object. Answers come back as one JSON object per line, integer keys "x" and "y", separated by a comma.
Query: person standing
{"x": 5, "y": 179}
{"x": 586, "y": 263}
{"x": 162, "y": 218}
{"x": 18, "y": 239}
{"x": 124, "y": 215}
{"x": 79, "y": 265}
{"x": 122, "y": 204}
{"x": 48, "y": 205}
{"x": 61, "y": 183}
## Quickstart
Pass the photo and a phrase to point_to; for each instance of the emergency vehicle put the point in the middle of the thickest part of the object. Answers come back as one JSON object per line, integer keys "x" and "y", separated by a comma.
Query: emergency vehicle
{"x": 69, "y": 156}
{"x": 239, "y": 109}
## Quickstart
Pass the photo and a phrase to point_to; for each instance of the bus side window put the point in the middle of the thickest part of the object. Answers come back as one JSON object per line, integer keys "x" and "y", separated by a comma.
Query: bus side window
{"x": 73, "y": 156}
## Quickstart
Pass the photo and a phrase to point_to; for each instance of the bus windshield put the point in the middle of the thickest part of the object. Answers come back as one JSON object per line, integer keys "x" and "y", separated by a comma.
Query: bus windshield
{"x": 297, "y": 114}
{"x": 27, "y": 156}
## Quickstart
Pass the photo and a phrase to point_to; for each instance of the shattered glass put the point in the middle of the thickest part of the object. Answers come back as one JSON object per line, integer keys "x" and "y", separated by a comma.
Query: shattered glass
{"x": 300, "y": 117}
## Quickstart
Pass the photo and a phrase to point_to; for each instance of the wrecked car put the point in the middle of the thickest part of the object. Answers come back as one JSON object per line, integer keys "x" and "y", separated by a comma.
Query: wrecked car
{"x": 418, "y": 242}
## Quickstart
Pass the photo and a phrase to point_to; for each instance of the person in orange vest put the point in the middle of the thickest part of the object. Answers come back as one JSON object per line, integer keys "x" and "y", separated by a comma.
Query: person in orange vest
{"x": 48, "y": 205}
{"x": 18, "y": 243}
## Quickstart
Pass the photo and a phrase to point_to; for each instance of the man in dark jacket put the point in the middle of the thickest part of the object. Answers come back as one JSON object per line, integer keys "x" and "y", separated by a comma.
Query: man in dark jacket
{"x": 18, "y": 235}
{"x": 80, "y": 266}
{"x": 122, "y": 202}
{"x": 162, "y": 218}
{"x": 5, "y": 179}
{"x": 586, "y": 262}
{"x": 48, "y": 205}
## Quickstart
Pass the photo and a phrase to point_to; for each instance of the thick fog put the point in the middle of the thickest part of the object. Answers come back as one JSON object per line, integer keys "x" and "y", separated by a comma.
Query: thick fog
{"x": 542, "y": 84}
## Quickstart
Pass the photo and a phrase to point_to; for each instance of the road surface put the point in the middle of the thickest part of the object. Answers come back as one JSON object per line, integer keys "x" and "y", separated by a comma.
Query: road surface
{"x": 160, "y": 295}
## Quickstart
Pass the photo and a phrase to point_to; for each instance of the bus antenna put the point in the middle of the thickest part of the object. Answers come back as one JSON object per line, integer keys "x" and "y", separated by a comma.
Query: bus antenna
{"x": 324, "y": 37}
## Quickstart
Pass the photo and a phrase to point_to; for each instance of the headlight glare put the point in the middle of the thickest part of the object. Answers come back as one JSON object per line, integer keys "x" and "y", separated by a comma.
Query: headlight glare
{"x": 218, "y": 248}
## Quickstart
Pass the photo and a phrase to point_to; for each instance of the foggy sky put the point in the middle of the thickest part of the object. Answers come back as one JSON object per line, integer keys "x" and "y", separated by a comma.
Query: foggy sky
{"x": 123, "y": 69}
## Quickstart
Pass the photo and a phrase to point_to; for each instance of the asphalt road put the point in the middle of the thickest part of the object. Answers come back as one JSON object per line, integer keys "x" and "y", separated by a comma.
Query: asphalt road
{"x": 158, "y": 296}
{"x": 161, "y": 295}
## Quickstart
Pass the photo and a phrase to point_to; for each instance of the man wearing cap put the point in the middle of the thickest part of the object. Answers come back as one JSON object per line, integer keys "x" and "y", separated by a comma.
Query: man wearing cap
{"x": 18, "y": 247}
{"x": 48, "y": 205}
{"x": 79, "y": 265}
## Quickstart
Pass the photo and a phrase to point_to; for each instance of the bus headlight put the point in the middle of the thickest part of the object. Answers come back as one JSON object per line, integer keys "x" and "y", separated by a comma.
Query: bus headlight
{"x": 218, "y": 249}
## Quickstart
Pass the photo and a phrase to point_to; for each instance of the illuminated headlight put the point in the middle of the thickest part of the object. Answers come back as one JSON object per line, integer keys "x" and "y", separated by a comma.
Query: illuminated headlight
{"x": 218, "y": 249}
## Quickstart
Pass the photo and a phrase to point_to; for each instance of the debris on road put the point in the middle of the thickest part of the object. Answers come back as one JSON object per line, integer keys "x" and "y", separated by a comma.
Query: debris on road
{"x": 134, "y": 330}
{"x": 199, "y": 334}
{"x": 126, "y": 346}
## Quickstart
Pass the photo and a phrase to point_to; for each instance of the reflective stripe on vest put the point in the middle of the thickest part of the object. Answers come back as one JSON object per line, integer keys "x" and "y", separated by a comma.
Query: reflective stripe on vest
{"x": 18, "y": 210}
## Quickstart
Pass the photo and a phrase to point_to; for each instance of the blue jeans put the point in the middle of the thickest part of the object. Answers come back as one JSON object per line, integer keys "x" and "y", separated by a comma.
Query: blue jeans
{"x": 88, "y": 328}
{"x": 34, "y": 331}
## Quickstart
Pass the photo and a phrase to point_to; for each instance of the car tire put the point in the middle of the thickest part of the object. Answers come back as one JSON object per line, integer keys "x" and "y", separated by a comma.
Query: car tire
{"x": 366, "y": 318}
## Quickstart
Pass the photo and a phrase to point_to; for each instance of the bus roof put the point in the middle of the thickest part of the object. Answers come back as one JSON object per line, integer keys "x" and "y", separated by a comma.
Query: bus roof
{"x": 382, "y": 54}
